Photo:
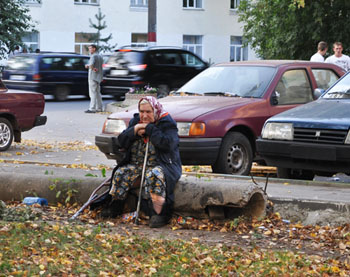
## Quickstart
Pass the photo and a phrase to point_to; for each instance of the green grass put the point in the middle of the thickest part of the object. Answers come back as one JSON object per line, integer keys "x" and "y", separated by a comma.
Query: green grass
{"x": 39, "y": 248}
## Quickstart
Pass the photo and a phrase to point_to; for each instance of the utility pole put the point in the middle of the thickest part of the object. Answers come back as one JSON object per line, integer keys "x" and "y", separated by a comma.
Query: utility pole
{"x": 152, "y": 22}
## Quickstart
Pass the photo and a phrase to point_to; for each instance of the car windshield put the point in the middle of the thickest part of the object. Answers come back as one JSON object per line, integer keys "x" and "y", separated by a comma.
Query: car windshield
{"x": 340, "y": 89}
{"x": 21, "y": 63}
{"x": 126, "y": 57}
{"x": 237, "y": 81}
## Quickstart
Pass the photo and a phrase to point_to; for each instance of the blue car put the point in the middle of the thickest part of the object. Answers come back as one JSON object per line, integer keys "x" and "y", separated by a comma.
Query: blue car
{"x": 57, "y": 74}
{"x": 311, "y": 139}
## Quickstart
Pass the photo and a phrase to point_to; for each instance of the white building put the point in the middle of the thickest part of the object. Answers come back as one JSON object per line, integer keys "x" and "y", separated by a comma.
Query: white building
{"x": 209, "y": 28}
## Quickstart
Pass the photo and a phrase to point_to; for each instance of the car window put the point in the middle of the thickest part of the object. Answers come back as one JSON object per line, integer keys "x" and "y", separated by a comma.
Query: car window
{"x": 190, "y": 59}
{"x": 53, "y": 63}
{"x": 126, "y": 57}
{"x": 340, "y": 89}
{"x": 21, "y": 63}
{"x": 164, "y": 58}
{"x": 294, "y": 88}
{"x": 75, "y": 64}
{"x": 324, "y": 78}
{"x": 244, "y": 81}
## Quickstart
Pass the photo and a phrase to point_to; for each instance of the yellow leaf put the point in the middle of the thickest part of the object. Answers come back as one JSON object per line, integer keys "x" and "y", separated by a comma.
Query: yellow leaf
{"x": 42, "y": 267}
{"x": 184, "y": 259}
{"x": 267, "y": 233}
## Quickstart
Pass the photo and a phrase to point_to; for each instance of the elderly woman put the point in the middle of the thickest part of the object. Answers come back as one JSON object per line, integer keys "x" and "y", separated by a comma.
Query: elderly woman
{"x": 163, "y": 167}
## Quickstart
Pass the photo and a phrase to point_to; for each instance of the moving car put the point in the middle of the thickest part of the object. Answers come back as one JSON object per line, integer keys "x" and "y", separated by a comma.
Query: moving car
{"x": 311, "y": 139}
{"x": 20, "y": 111}
{"x": 57, "y": 74}
{"x": 221, "y": 111}
{"x": 164, "y": 68}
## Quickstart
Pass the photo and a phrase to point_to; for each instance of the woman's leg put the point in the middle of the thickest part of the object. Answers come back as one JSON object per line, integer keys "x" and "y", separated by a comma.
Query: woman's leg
{"x": 123, "y": 180}
{"x": 155, "y": 187}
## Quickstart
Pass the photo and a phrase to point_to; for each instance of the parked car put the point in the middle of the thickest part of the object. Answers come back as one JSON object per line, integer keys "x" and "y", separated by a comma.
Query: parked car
{"x": 221, "y": 111}
{"x": 164, "y": 68}
{"x": 57, "y": 74}
{"x": 20, "y": 111}
{"x": 311, "y": 139}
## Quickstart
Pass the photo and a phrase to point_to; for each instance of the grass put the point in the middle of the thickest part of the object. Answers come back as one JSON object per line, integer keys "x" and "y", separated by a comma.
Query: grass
{"x": 65, "y": 248}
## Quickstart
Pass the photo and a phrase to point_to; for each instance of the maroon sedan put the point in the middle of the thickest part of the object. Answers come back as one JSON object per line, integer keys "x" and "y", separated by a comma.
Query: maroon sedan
{"x": 221, "y": 111}
{"x": 19, "y": 111}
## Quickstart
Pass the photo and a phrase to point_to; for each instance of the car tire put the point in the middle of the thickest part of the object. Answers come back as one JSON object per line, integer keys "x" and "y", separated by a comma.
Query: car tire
{"x": 162, "y": 90}
{"x": 61, "y": 93}
{"x": 235, "y": 156}
{"x": 288, "y": 173}
{"x": 6, "y": 134}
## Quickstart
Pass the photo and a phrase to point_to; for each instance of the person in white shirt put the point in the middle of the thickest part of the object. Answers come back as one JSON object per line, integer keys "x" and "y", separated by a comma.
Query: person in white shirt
{"x": 322, "y": 48}
{"x": 338, "y": 58}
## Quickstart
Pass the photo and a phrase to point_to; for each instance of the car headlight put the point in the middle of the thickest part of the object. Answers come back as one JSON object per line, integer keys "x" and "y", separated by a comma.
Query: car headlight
{"x": 191, "y": 129}
{"x": 347, "y": 140}
{"x": 274, "y": 130}
{"x": 112, "y": 126}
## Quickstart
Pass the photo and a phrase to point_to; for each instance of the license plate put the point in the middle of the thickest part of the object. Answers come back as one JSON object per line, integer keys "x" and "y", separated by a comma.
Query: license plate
{"x": 119, "y": 72}
{"x": 18, "y": 77}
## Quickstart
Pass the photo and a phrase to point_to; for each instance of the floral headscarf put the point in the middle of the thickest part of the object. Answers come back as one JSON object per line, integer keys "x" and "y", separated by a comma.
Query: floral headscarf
{"x": 156, "y": 105}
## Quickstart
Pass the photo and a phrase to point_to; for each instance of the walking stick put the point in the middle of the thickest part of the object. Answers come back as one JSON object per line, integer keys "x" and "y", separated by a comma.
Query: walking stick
{"x": 141, "y": 185}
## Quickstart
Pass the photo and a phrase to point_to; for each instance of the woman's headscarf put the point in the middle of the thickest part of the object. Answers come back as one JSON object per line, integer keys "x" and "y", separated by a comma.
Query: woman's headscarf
{"x": 157, "y": 107}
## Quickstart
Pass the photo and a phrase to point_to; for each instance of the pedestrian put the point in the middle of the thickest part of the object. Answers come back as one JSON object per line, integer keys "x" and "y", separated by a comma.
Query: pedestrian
{"x": 322, "y": 48}
{"x": 94, "y": 79}
{"x": 37, "y": 50}
{"x": 339, "y": 58}
{"x": 163, "y": 166}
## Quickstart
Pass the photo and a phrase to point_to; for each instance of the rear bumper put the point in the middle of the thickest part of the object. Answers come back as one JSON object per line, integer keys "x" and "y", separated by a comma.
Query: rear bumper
{"x": 299, "y": 155}
{"x": 40, "y": 120}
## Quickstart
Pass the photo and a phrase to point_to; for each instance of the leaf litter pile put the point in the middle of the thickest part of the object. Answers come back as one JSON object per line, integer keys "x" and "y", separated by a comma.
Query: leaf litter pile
{"x": 42, "y": 241}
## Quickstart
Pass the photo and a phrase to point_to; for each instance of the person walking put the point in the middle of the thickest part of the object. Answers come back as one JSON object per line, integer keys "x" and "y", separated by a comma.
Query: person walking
{"x": 339, "y": 58}
{"x": 94, "y": 79}
{"x": 322, "y": 48}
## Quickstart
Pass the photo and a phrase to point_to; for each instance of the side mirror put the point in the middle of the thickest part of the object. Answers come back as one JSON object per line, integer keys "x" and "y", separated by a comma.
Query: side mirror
{"x": 318, "y": 92}
{"x": 274, "y": 98}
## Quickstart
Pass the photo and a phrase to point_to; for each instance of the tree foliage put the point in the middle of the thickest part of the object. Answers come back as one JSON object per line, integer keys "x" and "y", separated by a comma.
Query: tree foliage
{"x": 14, "y": 22}
{"x": 291, "y": 29}
{"x": 101, "y": 43}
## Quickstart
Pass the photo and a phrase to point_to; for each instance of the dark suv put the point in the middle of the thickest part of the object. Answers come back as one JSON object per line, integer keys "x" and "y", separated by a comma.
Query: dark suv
{"x": 58, "y": 74}
{"x": 164, "y": 68}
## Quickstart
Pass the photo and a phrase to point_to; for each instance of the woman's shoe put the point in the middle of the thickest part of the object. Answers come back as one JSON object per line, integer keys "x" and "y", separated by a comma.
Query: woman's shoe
{"x": 158, "y": 221}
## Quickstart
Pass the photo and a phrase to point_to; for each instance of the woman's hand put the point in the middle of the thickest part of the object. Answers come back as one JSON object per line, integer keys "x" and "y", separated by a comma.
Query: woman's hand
{"x": 140, "y": 129}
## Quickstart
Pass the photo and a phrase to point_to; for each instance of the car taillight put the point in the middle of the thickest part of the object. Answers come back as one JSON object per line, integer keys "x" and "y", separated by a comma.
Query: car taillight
{"x": 138, "y": 82}
{"x": 137, "y": 67}
{"x": 36, "y": 77}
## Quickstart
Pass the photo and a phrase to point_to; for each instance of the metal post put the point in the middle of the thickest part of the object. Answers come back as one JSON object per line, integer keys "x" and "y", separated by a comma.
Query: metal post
{"x": 152, "y": 22}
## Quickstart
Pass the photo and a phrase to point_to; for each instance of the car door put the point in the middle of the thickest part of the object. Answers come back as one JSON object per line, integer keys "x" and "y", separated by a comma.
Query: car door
{"x": 293, "y": 88}
{"x": 192, "y": 65}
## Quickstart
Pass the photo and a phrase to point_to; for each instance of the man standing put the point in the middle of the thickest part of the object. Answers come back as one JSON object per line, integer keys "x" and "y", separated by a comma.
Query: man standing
{"x": 338, "y": 58}
{"x": 95, "y": 78}
{"x": 322, "y": 48}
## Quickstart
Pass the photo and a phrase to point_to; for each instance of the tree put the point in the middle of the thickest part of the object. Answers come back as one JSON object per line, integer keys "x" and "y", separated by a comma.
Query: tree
{"x": 291, "y": 29}
{"x": 14, "y": 23}
{"x": 101, "y": 43}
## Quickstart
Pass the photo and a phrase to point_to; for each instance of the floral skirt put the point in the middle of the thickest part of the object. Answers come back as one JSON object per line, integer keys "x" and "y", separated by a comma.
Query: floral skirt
{"x": 125, "y": 176}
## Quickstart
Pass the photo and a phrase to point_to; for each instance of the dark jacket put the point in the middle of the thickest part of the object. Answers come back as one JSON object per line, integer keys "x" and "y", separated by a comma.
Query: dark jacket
{"x": 164, "y": 137}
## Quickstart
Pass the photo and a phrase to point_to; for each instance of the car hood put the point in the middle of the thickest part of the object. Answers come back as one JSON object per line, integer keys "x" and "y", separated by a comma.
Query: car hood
{"x": 190, "y": 107}
{"x": 323, "y": 113}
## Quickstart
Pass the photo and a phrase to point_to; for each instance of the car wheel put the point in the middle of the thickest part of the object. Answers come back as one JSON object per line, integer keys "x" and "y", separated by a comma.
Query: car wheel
{"x": 162, "y": 90}
{"x": 298, "y": 174}
{"x": 6, "y": 134}
{"x": 61, "y": 93}
{"x": 235, "y": 156}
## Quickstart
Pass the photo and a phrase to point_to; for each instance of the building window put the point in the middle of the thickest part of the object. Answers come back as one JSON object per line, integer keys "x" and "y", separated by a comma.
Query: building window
{"x": 193, "y": 44}
{"x": 91, "y": 2}
{"x": 194, "y": 4}
{"x": 235, "y": 4}
{"x": 139, "y": 40}
{"x": 237, "y": 51}
{"x": 31, "y": 41}
{"x": 139, "y": 3}
{"x": 82, "y": 42}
